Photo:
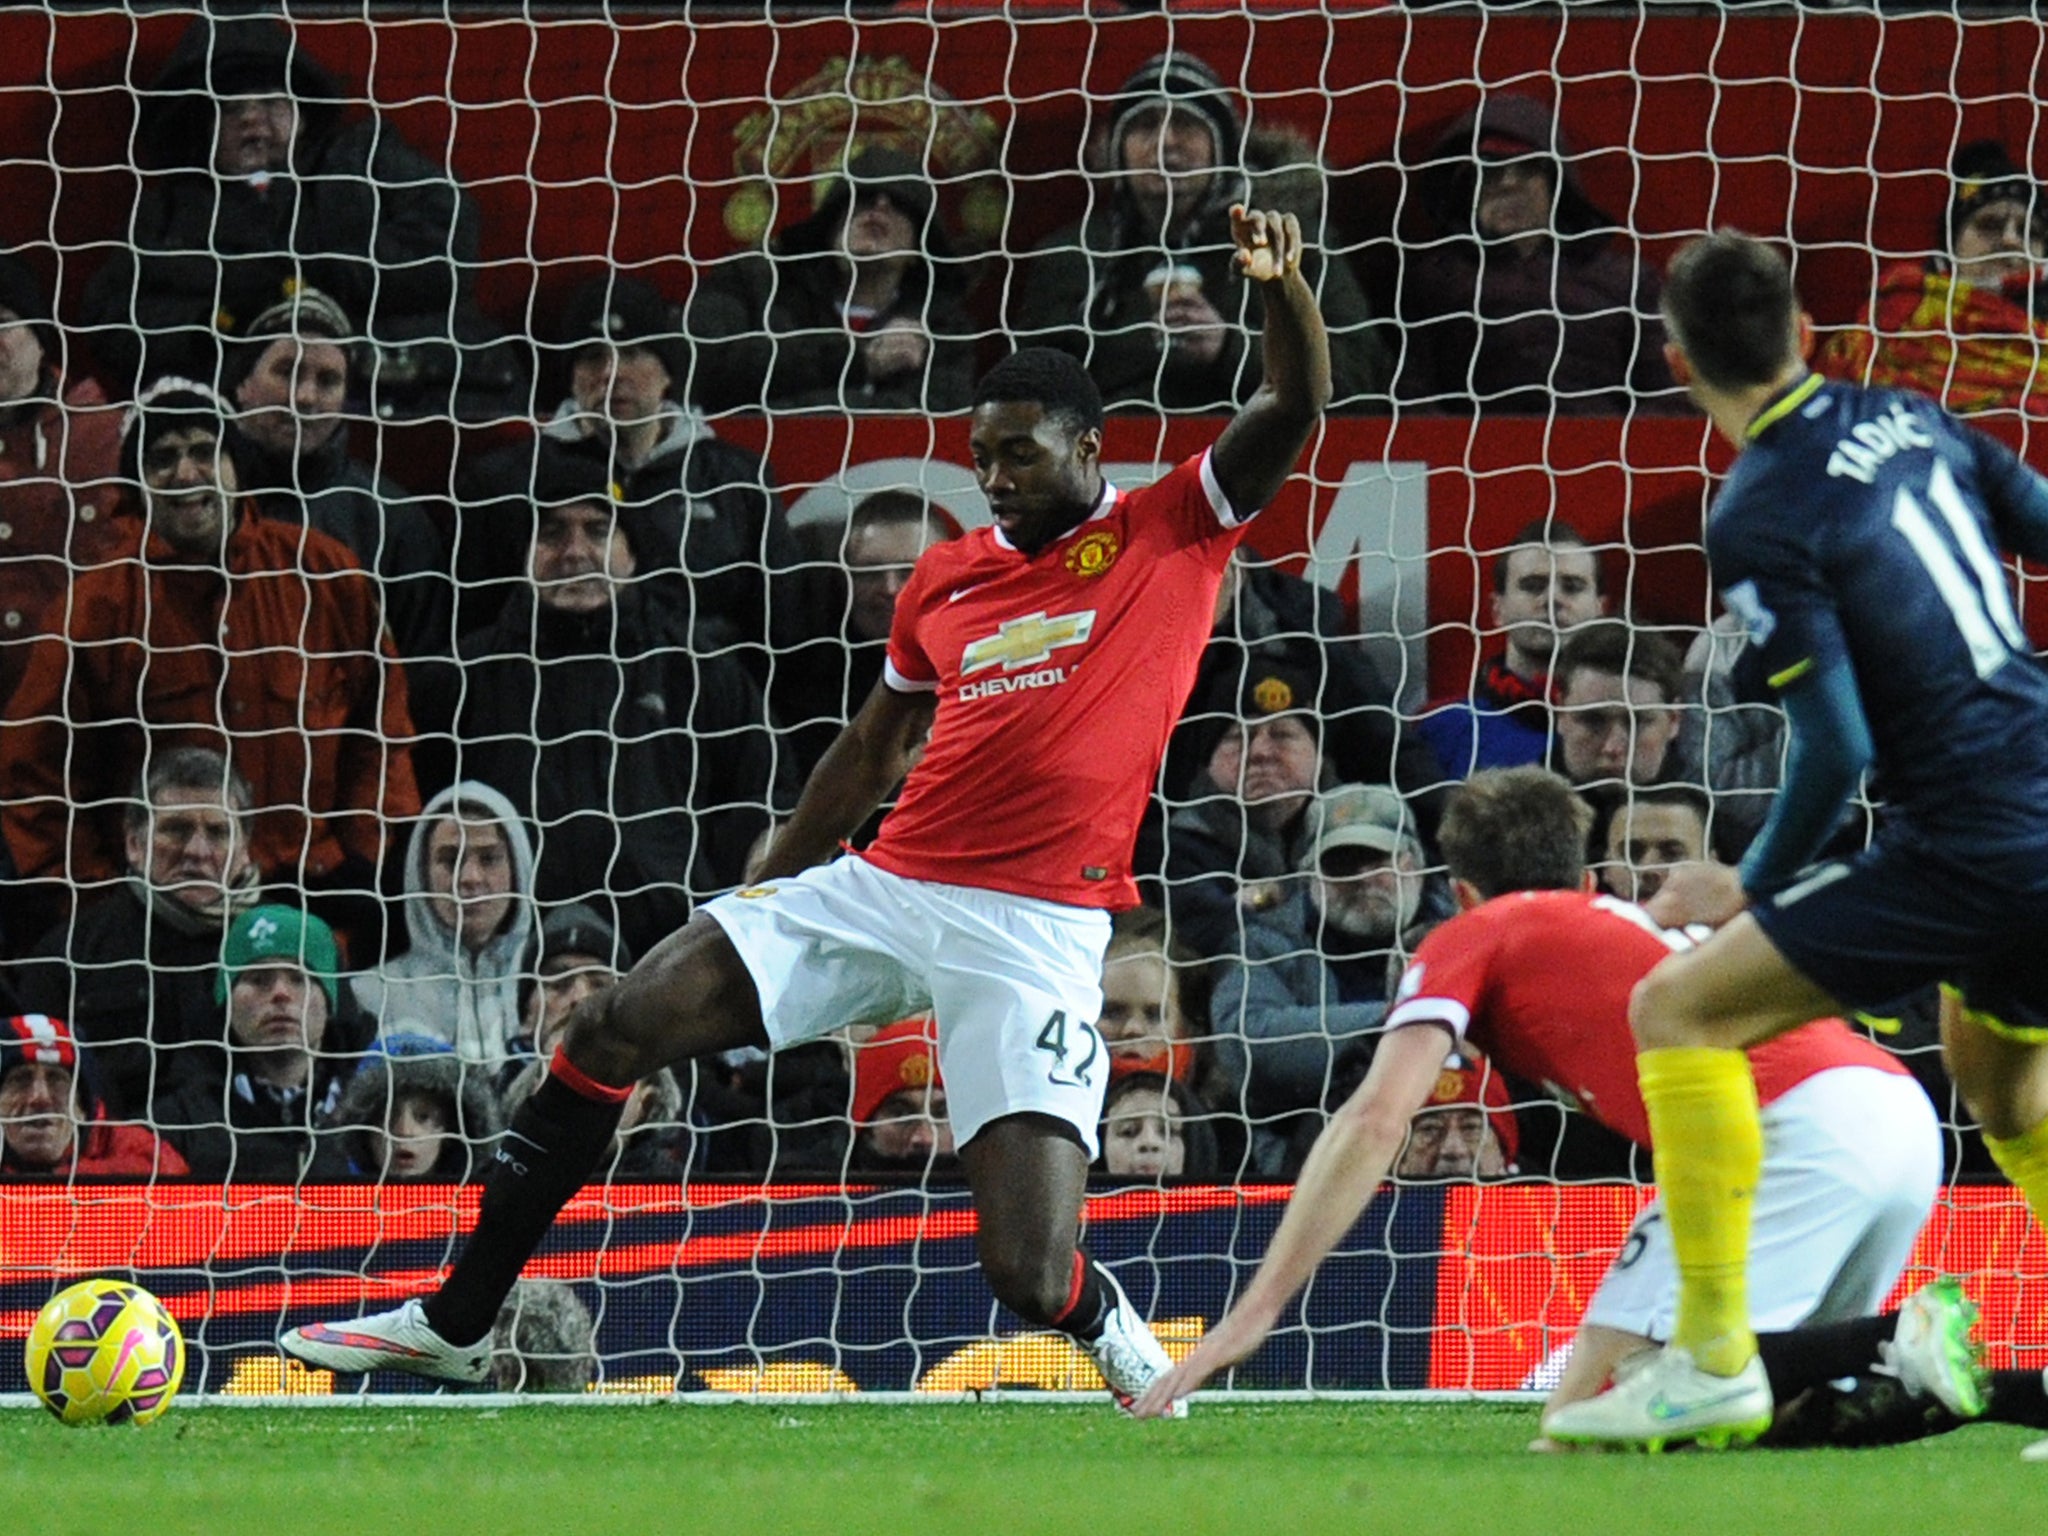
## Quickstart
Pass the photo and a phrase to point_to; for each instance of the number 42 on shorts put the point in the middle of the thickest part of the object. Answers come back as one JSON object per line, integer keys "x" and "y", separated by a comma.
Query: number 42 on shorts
{"x": 1054, "y": 1040}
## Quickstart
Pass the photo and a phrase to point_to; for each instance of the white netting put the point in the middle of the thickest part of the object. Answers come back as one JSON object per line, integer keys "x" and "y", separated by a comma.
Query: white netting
{"x": 446, "y": 268}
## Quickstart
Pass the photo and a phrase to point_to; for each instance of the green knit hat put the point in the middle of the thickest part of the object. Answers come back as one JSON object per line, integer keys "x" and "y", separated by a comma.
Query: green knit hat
{"x": 280, "y": 933}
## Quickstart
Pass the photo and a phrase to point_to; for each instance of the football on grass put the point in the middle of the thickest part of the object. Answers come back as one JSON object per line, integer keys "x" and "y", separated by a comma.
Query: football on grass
{"x": 105, "y": 1352}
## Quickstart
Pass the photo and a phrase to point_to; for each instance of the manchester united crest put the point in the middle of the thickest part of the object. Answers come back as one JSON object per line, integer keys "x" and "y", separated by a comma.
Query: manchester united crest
{"x": 1094, "y": 553}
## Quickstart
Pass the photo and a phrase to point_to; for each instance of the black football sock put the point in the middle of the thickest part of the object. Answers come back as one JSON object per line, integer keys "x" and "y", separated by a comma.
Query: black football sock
{"x": 1823, "y": 1352}
{"x": 1872, "y": 1410}
{"x": 1088, "y": 1303}
{"x": 555, "y": 1142}
{"x": 2019, "y": 1397}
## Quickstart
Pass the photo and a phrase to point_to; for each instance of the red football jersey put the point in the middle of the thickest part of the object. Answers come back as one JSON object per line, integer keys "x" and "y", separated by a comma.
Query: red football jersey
{"x": 1539, "y": 981}
{"x": 1059, "y": 677}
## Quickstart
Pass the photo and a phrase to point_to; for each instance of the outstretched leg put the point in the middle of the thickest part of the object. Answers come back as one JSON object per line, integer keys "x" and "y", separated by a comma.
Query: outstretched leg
{"x": 692, "y": 994}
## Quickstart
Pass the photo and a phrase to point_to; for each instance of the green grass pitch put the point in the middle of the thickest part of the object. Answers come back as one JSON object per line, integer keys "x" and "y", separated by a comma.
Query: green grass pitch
{"x": 1009, "y": 1469}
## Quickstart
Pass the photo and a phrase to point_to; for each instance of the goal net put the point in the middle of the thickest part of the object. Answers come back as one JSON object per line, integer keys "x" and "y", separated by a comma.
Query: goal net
{"x": 455, "y": 468}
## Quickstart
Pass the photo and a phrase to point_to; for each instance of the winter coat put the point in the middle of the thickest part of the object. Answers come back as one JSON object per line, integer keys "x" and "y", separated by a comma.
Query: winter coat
{"x": 1504, "y": 724}
{"x": 649, "y": 767}
{"x": 234, "y": 1129}
{"x": 282, "y": 660}
{"x": 462, "y": 1092}
{"x": 1084, "y": 291}
{"x": 1569, "y": 328}
{"x": 57, "y": 501}
{"x": 359, "y": 214}
{"x": 1971, "y": 348}
{"x": 770, "y": 332}
{"x": 389, "y": 532}
{"x": 1214, "y": 850}
{"x": 438, "y": 988}
{"x": 134, "y": 979}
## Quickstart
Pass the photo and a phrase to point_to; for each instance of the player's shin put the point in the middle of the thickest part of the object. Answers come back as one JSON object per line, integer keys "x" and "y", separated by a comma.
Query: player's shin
{"x": 1708, "y": 1140}
{"x": 555, "y": 1141}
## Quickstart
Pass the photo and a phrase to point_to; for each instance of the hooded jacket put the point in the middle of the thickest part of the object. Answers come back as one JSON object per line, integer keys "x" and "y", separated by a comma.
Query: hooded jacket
{"x": 770, "y": 331}
{"x": 359, "y": 214}
{"x": 1084, "y": 289}
{"x": 437, "y": 988}
{"x": 462, "y": 1092}
{"x": 1570, "y": 327}
{"x": 647, "y": 762}
{"x": 278, "y": 650}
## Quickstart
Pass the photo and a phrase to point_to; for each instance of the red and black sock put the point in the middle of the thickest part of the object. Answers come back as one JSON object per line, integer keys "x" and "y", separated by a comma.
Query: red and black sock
{"x": 1089, "y": 1300}
{"x": 555, "y": 1142}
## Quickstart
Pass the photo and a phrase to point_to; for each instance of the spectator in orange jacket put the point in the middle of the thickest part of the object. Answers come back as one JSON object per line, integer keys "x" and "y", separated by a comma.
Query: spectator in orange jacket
{"x": 1966, "y": 326}
{"x": 59, "y": 442}
{"x": 47, "y": 1130}
{"x": 216, "y": 627}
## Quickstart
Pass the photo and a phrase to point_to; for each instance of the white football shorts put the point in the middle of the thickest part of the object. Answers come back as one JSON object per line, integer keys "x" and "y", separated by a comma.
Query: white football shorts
{"x": 1852, "y": 1166}
{"x": 1014, "y": 982}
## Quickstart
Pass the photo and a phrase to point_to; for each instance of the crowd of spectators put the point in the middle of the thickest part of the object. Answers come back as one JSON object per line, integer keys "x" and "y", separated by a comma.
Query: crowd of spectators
{"x": 325, "y": 800}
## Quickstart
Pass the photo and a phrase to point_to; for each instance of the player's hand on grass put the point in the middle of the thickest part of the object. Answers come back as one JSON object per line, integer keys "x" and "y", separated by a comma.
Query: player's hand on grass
{"x": 1698, "y": 891}
{"x": 1237, "y": 1335}
{"x": 1269, "y": 245}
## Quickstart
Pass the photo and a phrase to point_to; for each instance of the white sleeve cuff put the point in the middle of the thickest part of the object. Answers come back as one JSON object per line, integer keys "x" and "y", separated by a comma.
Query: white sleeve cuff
{"x": 902, "y": 684}
{"x": 1455, "y": 1017}
{"x": 1219, "y": 503}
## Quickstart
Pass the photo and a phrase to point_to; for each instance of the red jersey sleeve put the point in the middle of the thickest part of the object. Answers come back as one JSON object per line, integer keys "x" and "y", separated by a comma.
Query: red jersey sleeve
{"x": 906, "y": 667}
{"x": 1447, "y": 981}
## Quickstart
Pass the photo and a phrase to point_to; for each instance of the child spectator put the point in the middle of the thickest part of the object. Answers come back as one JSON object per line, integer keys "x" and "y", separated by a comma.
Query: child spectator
{"x": 418, "y": 1115}
{"x": 1153, "y": 1129}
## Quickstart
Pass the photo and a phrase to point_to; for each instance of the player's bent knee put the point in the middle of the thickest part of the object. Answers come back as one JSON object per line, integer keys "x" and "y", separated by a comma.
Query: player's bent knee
{"x": 1661, "y": 1012}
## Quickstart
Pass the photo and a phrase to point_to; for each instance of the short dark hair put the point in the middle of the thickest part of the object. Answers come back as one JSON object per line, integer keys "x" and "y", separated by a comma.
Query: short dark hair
{"x": 1621, "y": 650}
{"x": 1609, "y": 800}
{"x": 1549, "y": 533}
{"x": 1515, "y": 829}
{"x": 1730, "y": 305}
{"x": 1045, "y": 377}
{"x": 188, "y": 768}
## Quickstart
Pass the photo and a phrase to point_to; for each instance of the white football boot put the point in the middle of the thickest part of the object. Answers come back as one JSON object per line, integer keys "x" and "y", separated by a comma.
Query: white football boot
{"x": 1127, "y": 1354}
{"x": 399, "y": 1340}
{"x": 1932, "y": 1352}
{"x": 1669, "y": 1401}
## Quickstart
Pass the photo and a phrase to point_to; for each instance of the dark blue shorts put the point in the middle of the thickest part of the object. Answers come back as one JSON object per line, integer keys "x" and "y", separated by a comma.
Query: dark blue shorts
{"x": 1898, "y": 917}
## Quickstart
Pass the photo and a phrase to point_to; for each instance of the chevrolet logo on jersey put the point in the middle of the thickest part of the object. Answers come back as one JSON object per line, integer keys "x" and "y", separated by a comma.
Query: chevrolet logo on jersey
{"x": 1027, "y": 641}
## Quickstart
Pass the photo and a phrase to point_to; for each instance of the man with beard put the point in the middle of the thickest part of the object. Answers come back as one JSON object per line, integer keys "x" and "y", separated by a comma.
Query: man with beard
{"x": 1316, "y": 968}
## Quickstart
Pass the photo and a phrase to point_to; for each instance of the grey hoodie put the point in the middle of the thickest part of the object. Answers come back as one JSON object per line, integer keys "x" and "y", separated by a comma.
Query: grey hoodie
{"x": 437, "y": 988}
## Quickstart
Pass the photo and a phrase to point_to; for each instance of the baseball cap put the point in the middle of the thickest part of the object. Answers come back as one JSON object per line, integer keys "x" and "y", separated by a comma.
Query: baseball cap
{"x": 36, "y": 1038}
{"x": 904, "y": 1055}
{"x": 280, "y": 933}
{"x": 626, "y": 313}
{"x": 1356, "y": 816}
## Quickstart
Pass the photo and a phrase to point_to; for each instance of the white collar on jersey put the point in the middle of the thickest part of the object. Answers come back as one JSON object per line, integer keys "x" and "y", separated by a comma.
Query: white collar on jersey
{"x": 1105, "y": 503}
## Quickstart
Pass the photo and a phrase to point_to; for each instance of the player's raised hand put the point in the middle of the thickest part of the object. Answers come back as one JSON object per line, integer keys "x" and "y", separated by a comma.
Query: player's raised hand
{"x": 1697, "y": 891}
{"x": 1269, "y": 245}
{"x": 1237, "y": 1335}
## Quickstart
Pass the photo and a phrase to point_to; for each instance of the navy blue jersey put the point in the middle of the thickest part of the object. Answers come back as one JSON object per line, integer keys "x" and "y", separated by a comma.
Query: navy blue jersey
{"x": 1860, "y": 538}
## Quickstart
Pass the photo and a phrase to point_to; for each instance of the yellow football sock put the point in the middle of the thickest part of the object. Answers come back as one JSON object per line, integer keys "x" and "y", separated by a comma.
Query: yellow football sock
{"x": 1709, "y": 1146}
{"x": 2024, "y": 1160}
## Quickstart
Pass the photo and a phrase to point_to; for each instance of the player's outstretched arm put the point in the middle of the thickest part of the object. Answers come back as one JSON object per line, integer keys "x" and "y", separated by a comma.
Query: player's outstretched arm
{"x": 864, "y": 762}
{"x": 1344, "y": 1169}
{"x": 1257, "y": 450}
